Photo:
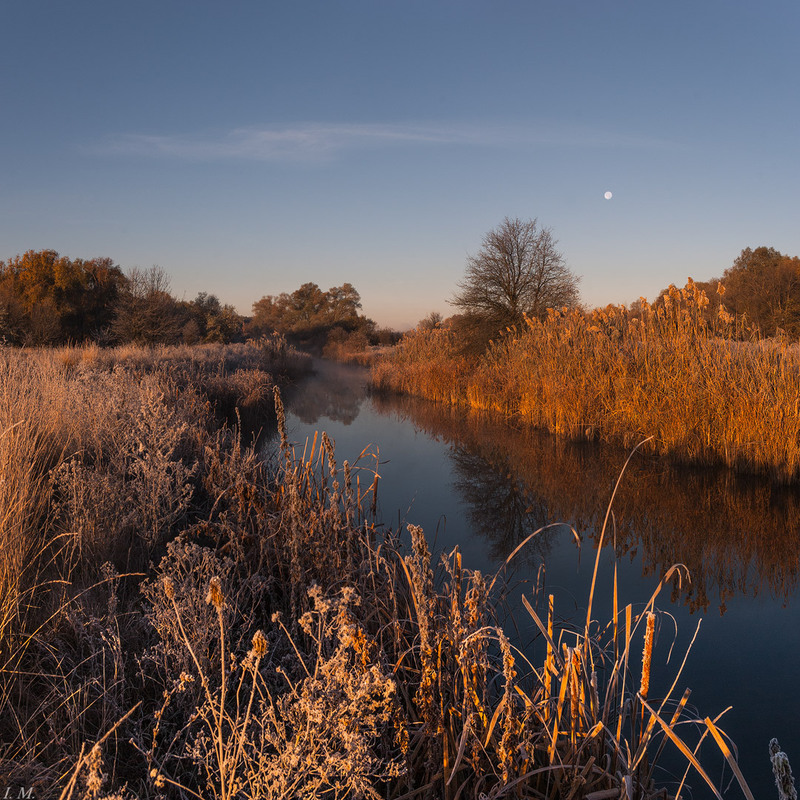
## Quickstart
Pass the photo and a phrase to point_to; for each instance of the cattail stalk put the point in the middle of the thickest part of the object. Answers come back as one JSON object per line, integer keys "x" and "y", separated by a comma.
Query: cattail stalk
{"x": 548, "y": 662}
{"x": 647, "y": 655}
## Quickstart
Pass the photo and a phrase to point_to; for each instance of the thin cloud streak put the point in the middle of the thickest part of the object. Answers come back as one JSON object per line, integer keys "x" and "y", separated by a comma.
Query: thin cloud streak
{"x": 321, "y": 141}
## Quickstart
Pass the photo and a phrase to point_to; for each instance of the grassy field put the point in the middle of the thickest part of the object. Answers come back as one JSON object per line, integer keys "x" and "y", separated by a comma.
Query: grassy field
{"x": 668, "y": 373}
{"x": 181, "y": 619}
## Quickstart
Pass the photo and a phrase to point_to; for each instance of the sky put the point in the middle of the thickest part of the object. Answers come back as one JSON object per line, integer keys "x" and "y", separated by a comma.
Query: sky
{"x": 250, "y": 147}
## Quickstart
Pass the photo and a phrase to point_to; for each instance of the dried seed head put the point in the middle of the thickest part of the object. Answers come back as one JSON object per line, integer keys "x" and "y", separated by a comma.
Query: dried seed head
{"x": 259, "y": 644}
{"x": 724, "y": 315}
{"x": 782, "y": 770}
{"x": 214, "y": 596}
{"x": 169, "y": 588}
{"x": 508, "y": 661}
{"x": 158, "y": 778}
{"x": 184, "y": 680}
{"x": 96, "y": 777}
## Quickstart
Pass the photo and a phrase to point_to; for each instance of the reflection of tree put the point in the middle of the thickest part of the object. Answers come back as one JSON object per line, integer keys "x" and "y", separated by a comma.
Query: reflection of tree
{"x": 501, "y": 507}
{"x": 335, "y": 392}
{"x": 736, "y": 535}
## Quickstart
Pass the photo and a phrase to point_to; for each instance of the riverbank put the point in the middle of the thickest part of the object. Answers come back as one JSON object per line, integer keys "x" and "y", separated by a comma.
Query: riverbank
{"x": 187, "y": 619}
{"x": 106, "y": 454}
{"x": 666, "y": 373}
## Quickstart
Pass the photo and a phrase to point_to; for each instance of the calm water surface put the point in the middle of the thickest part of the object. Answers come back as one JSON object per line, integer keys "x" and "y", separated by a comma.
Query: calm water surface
{"x": 483, "y": 486}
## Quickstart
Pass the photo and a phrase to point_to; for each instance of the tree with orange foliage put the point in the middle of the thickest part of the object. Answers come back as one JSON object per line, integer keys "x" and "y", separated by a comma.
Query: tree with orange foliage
{"x": 46, "y": 298}
{"x": 311, "y": 317}
{"x": 764, "y": 285}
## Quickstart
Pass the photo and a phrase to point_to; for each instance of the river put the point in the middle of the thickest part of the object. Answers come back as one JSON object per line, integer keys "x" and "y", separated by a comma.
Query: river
{"x": 483, "y": 485}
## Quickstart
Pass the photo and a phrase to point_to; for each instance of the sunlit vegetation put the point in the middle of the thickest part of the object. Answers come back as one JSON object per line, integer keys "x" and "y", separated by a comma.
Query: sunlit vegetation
{"x": 327, "y": 323}
{"x": 181, "y": 618}
{"x": 762, "y": 289}
{"x": 667, "y": 371}
{"x": 49, "y": 299}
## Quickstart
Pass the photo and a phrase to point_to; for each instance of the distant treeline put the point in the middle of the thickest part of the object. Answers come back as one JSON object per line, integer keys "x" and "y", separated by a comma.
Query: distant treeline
{"x": 761, "y": 289}
{"x": 323, "y": 322}
{"x": 49, "y": 299}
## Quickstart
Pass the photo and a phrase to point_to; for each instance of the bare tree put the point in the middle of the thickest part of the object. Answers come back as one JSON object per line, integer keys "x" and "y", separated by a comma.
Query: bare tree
{"x": 518, "y": 271}
{"x": 146, "y": 312}
{"x": 429, "y": 323}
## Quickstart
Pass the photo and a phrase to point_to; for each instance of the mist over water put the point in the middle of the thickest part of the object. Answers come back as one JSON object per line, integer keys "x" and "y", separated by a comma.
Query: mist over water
{"x": 483, "y": 485}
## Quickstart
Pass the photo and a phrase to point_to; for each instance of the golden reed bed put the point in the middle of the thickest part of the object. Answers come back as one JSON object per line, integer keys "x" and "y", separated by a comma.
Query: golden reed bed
{"x": 672, "y": 373}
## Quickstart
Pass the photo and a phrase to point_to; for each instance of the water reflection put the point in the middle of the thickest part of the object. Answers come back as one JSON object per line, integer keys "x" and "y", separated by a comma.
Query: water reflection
{"x": 736, "y": 535}
{"x": 739, "y": 537}
{"x": 335, "y": 391}
{"x": 501, "y": 506}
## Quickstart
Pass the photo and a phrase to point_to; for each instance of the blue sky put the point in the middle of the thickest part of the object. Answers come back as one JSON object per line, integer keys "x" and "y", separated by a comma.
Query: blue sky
{"x": 249, "y": 147}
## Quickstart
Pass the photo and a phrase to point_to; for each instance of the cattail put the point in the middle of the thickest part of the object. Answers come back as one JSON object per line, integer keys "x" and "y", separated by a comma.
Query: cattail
{"x": 505, "y": 750}
{"x": 348, "y": 489}
{"x": 647, "y": 654}
{"x": 549, "y": 662}
{"x": 215, "y": 597}
{"x": 419, "y": 567}
{"x": 475, "y": 600}
{"x": 783, "y": 772}
{"x": 575, "y": 689}
{"x": 330, "y": 449}
{"x": 595, "y": 695}
{"x": 509, "y": 673}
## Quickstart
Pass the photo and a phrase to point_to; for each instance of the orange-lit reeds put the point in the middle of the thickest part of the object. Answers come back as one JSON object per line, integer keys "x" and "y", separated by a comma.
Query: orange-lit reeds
{"x": 673, "y": 371}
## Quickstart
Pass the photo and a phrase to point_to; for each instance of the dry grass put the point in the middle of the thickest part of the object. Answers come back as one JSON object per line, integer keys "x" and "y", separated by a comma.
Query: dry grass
{"x": 668, "y": 373}
{"x": 283, "y": 646}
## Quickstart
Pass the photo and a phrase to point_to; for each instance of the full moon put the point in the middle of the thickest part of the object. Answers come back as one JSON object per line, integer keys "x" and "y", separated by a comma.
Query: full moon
{"x": 608, "y": 195}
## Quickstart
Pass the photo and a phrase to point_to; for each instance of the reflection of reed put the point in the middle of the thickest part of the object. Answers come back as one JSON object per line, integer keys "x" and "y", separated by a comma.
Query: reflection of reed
{"x": 736, "y": 535}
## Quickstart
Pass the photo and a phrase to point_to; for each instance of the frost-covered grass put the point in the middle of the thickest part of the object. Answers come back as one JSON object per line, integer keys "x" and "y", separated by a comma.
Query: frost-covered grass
{"x": 182, "y": 619}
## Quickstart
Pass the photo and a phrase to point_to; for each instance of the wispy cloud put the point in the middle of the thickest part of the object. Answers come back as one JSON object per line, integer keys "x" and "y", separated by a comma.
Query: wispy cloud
{"x": 322, "y": 141}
